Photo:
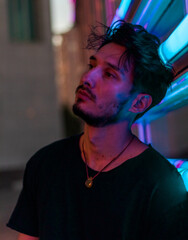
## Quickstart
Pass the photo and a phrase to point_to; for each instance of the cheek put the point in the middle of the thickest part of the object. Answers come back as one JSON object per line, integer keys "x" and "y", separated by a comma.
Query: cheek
{"x": 107, "y": 106}
{"x": 111, "y": 100}
{"x": 122, "y": 97}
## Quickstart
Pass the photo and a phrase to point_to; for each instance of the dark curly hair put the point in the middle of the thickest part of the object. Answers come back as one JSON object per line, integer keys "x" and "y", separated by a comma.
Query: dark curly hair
{"x": 151, "y": 76}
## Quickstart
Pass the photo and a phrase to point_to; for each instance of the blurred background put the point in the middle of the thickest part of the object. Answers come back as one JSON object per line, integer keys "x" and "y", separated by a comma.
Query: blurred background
{"x": 42, "y": 57}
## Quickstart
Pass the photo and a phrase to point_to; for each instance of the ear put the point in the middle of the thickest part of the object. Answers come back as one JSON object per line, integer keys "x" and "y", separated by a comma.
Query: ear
{"x": 140, "y": 103}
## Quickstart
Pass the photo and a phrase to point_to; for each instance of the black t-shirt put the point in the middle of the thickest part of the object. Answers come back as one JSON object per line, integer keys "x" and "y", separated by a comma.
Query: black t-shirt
{"x": 140, "y": 199}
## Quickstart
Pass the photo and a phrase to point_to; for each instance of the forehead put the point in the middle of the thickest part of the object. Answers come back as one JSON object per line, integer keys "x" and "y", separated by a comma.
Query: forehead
{"x": 110, "y": 52}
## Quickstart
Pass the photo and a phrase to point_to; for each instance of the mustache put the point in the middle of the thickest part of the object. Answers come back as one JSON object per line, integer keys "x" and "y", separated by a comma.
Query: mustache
{"x": 82, "y": 87}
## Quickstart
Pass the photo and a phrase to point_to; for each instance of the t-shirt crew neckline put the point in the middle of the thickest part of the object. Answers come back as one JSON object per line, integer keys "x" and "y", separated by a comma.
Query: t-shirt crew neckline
{"x": 127, "y": 162}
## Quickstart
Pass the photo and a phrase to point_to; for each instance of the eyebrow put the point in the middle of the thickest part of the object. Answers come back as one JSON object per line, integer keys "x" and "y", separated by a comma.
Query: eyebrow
{"x": 116, "y": 68}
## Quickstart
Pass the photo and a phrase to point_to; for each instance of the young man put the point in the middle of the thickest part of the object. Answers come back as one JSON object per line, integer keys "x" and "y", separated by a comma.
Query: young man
{"x": 106, "y": 183}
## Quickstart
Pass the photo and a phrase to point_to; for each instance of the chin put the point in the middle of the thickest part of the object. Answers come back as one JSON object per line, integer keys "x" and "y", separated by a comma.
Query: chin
{"x": 93, "y": 120}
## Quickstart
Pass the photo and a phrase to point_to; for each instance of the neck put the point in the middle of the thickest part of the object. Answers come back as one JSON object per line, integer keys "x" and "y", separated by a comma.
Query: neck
{"x": 101, "y": 145}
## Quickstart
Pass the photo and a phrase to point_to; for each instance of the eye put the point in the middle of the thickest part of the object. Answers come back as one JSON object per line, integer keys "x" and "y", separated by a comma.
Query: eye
{"x": 90, "y": 66}
{"x": 110, "y": 75}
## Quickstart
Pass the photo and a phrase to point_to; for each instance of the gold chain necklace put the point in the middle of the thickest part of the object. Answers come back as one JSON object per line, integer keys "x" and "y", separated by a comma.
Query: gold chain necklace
{"x": 89, "y": 180}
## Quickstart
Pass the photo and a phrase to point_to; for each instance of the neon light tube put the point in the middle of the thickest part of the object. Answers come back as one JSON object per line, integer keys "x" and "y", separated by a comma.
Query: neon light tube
{"x": 179, "y": 163}
{"x": 182, "y": 167}
{"x": 144, "y": 11}
{"x": 175, "y": 43}
{"x": 176, "y": 97}
{"x": 150, "y": 12}
{"x": 184, "y": 175}
{"x": 121, "y": 10}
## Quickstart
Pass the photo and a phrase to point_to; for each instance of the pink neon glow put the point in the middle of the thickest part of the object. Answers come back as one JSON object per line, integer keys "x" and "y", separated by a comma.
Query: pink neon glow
{"x": 146, "y": 25}
{"x": 178, "y": 163}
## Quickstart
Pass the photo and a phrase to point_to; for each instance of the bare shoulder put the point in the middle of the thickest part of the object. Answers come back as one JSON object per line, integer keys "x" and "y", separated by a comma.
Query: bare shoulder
{"x": 22, "y": 236}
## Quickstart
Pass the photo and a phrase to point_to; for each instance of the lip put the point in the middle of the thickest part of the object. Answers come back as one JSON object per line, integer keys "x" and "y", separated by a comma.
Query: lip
{"x": 83, "y": 94}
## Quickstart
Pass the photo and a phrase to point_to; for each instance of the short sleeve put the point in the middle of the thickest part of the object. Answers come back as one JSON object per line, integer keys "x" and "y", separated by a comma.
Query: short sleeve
{"x": 24, "y": 218}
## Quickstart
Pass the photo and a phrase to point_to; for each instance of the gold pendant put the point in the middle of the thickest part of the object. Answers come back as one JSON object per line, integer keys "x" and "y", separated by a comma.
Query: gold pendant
{"x": 89, "y": 182}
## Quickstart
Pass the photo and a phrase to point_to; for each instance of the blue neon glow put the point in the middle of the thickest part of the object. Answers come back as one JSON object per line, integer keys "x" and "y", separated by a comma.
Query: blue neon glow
{"x": 179, "y": 91}
{"x": 182, "y": 167}
{"x": 121, "y": 10}
{"x": 144, "y": 11}
{"x": 176, "y": 96}
{"x": 179, "y": 87}
{"x": 176, "y": 42}
{"x": 184, "y": 175}
{"x": 153, "y": 13}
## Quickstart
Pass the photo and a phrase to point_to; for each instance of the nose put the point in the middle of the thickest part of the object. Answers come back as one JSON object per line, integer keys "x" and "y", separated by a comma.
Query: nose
{"x": 90, "y": 78}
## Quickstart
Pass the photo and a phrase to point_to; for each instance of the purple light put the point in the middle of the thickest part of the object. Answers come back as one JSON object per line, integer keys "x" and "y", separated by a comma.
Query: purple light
{"x": 153, "y": 13}
{"x": 148, "y": 133}
{"x": 186, "y": 6}
{"x": 145, "y": 9}
{"x": 178, "y": 164}
{"x": 146, "y": 25}
{"x": 121, "y": 10}
{"x": 141, "y": 134}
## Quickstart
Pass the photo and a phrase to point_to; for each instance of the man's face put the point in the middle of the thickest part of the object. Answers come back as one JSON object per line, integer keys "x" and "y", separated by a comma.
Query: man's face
{"x": 104, "y": 89}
